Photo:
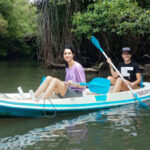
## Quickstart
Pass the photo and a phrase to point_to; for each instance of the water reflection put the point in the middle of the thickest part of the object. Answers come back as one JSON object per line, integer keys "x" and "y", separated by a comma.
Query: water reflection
{"x": 89, "y": 131}
{"x": 71, "y": 130}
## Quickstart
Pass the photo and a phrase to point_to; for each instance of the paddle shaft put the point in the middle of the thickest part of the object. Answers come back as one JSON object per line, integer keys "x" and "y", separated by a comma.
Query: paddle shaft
{"x": 96, "y": 85}
{"x": 85, "y": 84}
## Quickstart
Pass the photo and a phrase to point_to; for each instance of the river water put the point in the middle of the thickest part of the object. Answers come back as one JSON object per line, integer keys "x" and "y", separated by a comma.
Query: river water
{"x": 121, "y": 128}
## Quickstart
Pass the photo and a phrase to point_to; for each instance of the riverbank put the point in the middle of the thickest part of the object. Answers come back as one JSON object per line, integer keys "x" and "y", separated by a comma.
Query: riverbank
{"x": 145, "y": 69}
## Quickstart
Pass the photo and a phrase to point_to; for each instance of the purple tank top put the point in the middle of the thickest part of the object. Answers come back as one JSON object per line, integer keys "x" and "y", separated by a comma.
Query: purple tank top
{"x": 76, "y": 74}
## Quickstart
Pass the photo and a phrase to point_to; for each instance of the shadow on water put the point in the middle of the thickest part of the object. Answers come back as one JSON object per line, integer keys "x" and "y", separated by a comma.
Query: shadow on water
{"x": 72, "y": 131}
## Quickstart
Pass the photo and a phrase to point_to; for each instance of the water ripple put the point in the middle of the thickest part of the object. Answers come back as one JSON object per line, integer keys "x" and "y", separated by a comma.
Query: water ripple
{"x": 73, "y": 130}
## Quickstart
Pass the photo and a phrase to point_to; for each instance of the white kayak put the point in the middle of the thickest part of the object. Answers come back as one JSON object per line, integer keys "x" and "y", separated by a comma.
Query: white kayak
{"x": 12, "y": 105}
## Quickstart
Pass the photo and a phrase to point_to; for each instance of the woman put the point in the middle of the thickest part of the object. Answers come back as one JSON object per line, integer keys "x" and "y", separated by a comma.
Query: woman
{"x": 74, "y": 73}
{"x": 128, "y": 69}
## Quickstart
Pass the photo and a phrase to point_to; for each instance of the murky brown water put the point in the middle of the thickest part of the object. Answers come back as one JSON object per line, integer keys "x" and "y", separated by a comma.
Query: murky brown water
{"x": 122, "y": 128}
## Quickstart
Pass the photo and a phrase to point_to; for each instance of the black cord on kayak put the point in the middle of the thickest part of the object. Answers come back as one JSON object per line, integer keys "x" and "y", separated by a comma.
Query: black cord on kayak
{"x": 49, "y": 116}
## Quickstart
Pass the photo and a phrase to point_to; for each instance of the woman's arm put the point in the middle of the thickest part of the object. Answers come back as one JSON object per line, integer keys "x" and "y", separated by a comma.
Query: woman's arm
{"x": 80, "y": 75}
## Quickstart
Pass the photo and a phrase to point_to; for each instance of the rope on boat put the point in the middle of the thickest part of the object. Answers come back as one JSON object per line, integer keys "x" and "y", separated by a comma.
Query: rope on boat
{"x": 49, "y": 116}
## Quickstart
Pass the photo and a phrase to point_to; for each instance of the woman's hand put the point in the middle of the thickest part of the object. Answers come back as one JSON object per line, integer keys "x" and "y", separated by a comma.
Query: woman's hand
{"x": 70, "y": 83}
{"x": 73, "y": 84}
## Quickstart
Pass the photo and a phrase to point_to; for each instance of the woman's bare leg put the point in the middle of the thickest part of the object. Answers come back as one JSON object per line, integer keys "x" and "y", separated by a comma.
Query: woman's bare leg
{"x": 56, "y": 86}
{"x": 42, "y": 88}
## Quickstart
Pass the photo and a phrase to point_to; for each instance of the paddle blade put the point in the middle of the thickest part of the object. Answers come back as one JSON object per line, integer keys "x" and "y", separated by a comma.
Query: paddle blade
{"x": 98, "y": 89}
{"x": 98, "y": 85}
{"x": 142, "y": 104}
{"x": 96, "y": 43}
{"x": 100, "y": 81}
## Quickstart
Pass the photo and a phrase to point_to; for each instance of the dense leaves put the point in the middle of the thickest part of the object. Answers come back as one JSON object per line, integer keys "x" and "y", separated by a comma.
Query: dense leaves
{"x": 56, "y": 23}
{"x": 120, "y": 17}
{"x": 17, "y": 27}
{"x": 3, "y": 25}
{"x": 117, "y": 23}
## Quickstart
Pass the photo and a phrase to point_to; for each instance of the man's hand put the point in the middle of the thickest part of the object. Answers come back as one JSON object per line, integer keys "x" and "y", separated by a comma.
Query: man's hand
{"x": 131, "y": 84}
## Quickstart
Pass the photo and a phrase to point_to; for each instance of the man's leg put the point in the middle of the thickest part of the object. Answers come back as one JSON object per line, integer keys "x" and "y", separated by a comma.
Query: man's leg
{"x": 118, "y": 85}
{"x": 112, "y": 80}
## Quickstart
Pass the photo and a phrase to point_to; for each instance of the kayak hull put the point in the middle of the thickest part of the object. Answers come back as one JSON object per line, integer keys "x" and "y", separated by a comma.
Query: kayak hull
{"x": 12, "y": 105}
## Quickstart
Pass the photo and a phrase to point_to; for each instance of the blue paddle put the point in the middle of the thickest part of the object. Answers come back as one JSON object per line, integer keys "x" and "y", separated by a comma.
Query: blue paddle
{"x": 96, "y": 43}
{"x": 98, "y": 85}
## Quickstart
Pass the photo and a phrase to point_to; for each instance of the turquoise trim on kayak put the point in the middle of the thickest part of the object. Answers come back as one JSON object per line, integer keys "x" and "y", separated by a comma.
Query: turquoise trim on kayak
{"x": 14, "y": 111}
{"x": 101, "y": 97}
{"x": 100, "y": 102}
{"x": 66, "y": 105}
{"x": 19, "y": 111}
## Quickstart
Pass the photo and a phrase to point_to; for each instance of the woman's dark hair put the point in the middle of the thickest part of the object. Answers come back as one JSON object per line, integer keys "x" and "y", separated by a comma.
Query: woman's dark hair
{"x": 69, "y": 47}
{"x": 72, "y": 50}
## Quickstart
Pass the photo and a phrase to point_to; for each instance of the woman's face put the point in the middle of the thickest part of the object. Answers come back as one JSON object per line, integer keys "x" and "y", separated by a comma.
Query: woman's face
{"x": 68, "y": 55}
{"x": 126, "y": 56}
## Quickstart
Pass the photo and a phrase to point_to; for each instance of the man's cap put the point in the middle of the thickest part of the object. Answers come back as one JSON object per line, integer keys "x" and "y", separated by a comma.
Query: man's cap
{"x": 126, "y": 49}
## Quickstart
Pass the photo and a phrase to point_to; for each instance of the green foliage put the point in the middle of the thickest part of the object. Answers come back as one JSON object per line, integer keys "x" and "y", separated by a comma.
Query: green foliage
{"x": 120, "y": 17}
{"x": 3, "y": 25}
{"x": 143, "y": 3}
{"x": 17, "y": 27}
{"x": 25, "y": 18}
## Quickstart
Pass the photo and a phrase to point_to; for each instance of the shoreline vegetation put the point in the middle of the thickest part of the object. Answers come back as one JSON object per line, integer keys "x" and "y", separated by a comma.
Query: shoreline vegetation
{"x": 40, "y": 29}
{"x": 99, "y": 68}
